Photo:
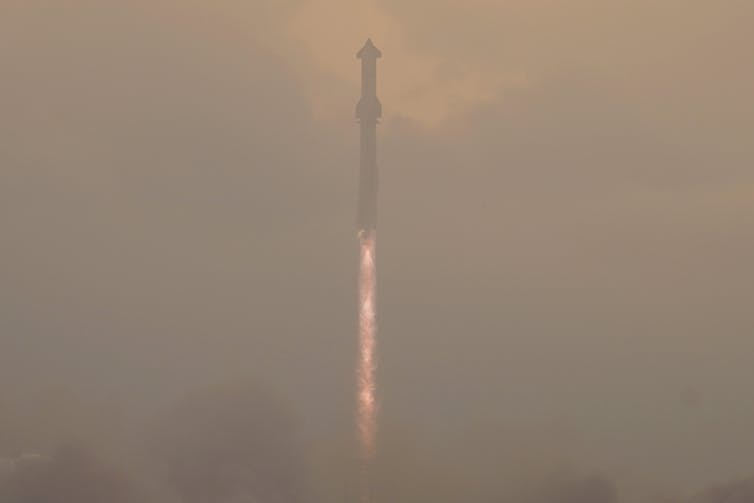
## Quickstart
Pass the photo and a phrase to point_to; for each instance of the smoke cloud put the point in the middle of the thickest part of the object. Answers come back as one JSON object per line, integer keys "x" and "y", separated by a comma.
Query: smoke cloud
{"x": 232, "y": 443}
{"x": 565, "y": 247}
{"x": 71, "y": 474}
{"x": 740, "y": 491}
{"x": 591, "y": 489}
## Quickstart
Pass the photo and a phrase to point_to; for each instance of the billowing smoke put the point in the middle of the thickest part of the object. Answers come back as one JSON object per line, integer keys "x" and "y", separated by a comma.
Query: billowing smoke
{"x": 590, "y": 489}
{"x": 72, "y": 474}
{"x": 176, "y": 208}
{"x": 739, "y": 491}
{"x": 235, "y": 442}
{"x": 232, "y": 443}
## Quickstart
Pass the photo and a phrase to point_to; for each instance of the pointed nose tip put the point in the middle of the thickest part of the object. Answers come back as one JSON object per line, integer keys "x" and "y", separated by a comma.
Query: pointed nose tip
{"x": 369, "y": 50}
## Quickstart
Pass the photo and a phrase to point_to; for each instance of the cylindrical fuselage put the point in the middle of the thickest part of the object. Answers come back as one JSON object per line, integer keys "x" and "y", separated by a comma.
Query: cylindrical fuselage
{"x": 368, "y": 179}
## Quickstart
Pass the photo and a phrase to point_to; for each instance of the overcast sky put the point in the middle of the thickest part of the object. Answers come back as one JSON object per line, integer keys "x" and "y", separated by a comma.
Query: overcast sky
{"x": 566, "y": 224}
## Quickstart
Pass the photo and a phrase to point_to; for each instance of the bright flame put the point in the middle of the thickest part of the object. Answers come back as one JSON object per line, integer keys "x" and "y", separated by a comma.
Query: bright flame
{"x": 367, "y": 334}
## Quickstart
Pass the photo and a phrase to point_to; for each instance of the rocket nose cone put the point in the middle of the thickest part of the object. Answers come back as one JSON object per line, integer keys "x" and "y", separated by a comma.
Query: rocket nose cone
{"x": 368, "y": 51}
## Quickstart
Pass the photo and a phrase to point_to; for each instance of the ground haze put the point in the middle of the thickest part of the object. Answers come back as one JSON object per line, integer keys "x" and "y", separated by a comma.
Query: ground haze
{"x": 565, "y": 280}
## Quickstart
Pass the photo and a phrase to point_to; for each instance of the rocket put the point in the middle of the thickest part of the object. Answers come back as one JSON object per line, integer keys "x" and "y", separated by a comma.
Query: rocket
{"x": 368, "y": 112}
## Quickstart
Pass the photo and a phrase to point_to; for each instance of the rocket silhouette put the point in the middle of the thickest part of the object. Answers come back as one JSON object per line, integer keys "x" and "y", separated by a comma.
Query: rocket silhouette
{"x": 368, "y": 112}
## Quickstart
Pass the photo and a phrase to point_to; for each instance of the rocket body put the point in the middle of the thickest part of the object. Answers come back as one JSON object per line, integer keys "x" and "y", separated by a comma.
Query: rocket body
{"x": 368, "y": 112}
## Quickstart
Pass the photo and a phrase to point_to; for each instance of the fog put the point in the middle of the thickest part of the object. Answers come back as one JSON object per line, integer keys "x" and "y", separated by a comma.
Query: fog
{"x": 564, "y": 255}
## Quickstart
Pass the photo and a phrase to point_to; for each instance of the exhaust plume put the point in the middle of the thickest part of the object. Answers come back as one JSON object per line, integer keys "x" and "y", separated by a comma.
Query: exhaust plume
{"x": 367, "y": 333}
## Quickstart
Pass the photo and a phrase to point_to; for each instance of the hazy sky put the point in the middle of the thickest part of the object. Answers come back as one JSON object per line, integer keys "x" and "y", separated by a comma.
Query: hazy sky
{"x": 565, "y": 236}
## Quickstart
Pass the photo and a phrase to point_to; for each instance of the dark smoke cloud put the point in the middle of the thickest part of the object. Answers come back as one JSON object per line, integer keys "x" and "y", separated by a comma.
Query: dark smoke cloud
{"x": 73, "y": 474}
{"x": 739, "y": 491}
{"x": 587, "y": 489}
{"x": 171, "y": 213}
{"x": 234, "y": 442}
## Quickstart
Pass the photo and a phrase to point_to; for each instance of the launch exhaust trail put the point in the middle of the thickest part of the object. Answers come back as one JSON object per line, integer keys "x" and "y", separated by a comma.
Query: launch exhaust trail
{"x": 368, "y": 112}
{"x": 367, "y": 333}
